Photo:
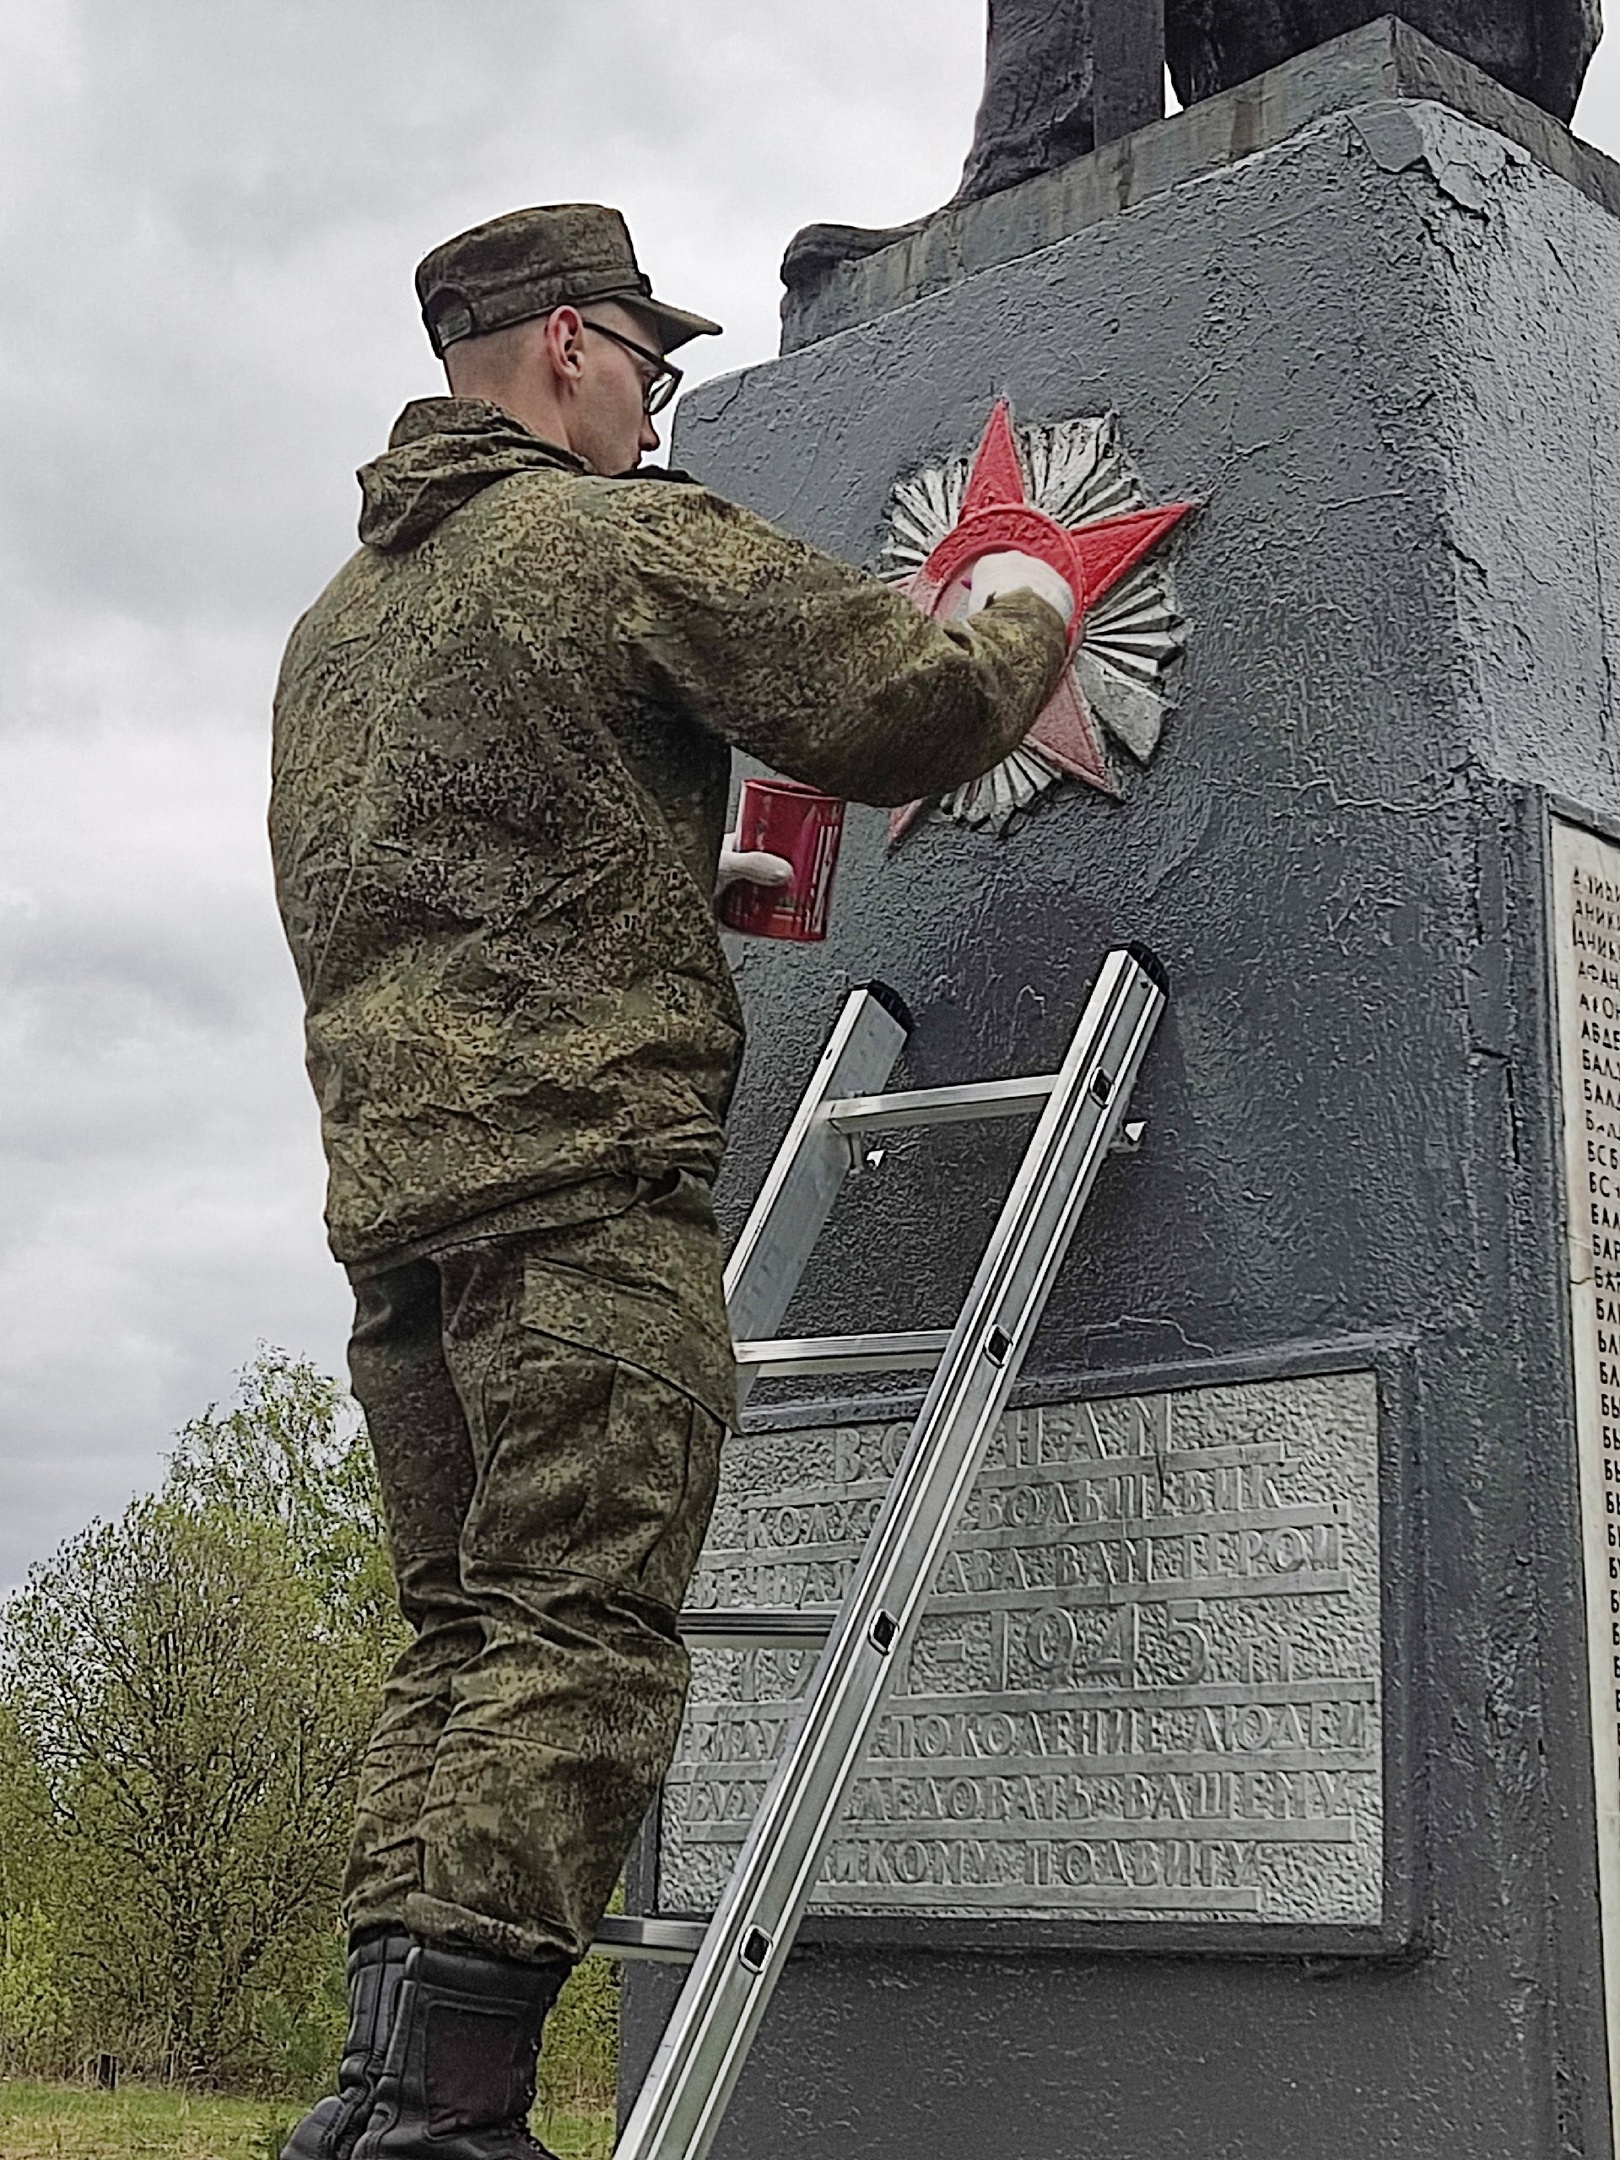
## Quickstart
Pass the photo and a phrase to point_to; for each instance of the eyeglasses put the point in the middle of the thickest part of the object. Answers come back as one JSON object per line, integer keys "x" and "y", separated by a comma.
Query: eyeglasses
{"x": 665, "y": 379}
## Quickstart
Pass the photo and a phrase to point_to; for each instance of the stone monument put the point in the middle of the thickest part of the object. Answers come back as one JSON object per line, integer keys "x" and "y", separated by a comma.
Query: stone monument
{"x": 1064, "y": 77}
{"x": 1253, "y": 1788}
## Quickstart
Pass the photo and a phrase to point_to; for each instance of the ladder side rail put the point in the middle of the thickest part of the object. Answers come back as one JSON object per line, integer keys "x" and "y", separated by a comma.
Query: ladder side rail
{"x": 725, "y": 1997}
{"x": 807, "y": 1174}
{"x": 805, "y": 1178}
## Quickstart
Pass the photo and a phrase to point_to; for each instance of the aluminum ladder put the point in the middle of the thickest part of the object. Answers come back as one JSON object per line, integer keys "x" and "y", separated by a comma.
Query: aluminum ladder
{"x": 738, "y": 1956}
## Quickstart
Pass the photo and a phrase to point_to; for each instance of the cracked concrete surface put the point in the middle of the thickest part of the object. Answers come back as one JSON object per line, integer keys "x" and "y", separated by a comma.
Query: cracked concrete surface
{"x": 1384, "y": 351}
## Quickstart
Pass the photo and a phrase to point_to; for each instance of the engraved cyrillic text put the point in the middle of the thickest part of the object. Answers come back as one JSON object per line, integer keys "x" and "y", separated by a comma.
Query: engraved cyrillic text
{"x": 1586, "y": 960}
{"x": 1147, "y": 1683}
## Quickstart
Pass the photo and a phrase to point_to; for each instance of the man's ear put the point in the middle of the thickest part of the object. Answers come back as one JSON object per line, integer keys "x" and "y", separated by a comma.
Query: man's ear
{"x": 565, "y": 338}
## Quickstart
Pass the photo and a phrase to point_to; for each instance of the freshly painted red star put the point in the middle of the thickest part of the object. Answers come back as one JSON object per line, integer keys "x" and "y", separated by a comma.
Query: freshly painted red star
{"x": 1092, "y": 557}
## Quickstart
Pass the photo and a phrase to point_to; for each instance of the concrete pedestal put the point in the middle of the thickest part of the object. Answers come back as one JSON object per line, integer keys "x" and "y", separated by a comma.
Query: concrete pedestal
{"x": 1382, "y": 343}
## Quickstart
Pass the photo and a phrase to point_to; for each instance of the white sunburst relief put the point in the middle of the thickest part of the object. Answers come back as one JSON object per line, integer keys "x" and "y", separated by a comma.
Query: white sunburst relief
{"x": 1069, "y": 494}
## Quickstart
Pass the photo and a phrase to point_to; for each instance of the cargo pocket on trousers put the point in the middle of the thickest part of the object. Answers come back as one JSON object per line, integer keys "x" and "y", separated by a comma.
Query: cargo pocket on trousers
{"x": 644, "y": 1498}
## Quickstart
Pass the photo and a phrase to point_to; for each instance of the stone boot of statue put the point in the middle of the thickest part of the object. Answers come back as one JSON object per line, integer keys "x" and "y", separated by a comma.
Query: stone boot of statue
{"x": 1040, "y": 81}
{"x": 1539, "y": 48}
{"x": 1035, "y": 115}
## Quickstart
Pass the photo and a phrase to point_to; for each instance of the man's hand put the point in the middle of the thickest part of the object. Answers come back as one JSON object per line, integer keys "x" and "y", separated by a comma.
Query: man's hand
{"x": 1008, "y": 572}
{"x": 749, "y": 865}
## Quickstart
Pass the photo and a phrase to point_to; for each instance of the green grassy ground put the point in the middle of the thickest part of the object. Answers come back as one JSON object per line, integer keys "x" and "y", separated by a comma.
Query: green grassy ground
{"x": 64, "y": 2122}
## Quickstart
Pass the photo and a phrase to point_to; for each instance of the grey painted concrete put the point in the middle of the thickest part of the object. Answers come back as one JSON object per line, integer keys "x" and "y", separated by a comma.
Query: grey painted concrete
{"x": 1385, "y": 351}
{"x": 1385, "y": 60}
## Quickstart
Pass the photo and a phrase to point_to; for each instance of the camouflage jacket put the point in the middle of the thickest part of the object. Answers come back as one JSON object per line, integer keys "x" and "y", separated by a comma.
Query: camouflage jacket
{"x": 500, "y": 774}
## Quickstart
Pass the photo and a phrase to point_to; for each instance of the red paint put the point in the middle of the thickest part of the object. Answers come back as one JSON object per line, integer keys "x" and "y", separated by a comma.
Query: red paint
{"x": 998, "y": 474}
{"x": 990, "y": 532}
{"x": 1110, "y": 547}
{"x": 1067, "y": 734}
{"x": 996, "y": 514}
{"x": 781, "y": 817}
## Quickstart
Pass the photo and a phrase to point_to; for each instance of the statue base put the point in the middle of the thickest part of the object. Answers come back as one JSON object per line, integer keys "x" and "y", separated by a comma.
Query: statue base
{"x": 838, "y": 276}
{"x": 1260, "y": 1794}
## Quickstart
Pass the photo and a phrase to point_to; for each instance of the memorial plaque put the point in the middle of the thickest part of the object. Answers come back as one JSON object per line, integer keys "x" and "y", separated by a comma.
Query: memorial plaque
{"x": 1586, "y": 958}
{"x": 1147, "y": 1685}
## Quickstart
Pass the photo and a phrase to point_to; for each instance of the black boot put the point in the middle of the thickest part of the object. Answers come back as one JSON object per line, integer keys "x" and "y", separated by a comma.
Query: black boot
{"x": 376, "y": 1969}
{"x": 459, "y": 2080}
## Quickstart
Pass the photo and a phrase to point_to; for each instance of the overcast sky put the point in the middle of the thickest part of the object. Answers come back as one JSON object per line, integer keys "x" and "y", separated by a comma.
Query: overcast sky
{"x": 210, "y": 217}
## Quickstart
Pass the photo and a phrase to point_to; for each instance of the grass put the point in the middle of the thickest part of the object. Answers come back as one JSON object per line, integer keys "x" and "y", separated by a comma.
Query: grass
{"x": 155, "y": 2122}
{"x": 142, "y": 2122}
{"x": 65, "y": 2122}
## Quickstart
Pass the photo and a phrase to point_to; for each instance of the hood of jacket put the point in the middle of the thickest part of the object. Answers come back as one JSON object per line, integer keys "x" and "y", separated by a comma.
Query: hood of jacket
{"x": 443, "y": 452}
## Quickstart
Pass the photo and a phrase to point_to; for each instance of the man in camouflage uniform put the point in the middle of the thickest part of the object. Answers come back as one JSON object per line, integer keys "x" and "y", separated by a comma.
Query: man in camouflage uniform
{"x": 502, "y": 749}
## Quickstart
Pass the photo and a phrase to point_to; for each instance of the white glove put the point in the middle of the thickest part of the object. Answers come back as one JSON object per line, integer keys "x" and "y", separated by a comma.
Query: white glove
{"x": 1008, "y": 572}
{"x": 749, "y": 865}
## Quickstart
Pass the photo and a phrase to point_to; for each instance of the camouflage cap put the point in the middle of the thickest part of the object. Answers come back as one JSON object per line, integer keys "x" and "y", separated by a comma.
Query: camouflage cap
{"x": 531, "y": 261}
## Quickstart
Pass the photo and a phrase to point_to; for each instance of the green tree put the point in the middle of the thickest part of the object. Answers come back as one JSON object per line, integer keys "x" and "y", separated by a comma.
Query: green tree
{"x": 191, "y": 1690}
{"x": 36, "y": 2011}
{"x": 185, "y": 1696}
{"x": 199, "y": 1725}
{"x": 29, "y": 1855}
{"x": 294, "y": 1453}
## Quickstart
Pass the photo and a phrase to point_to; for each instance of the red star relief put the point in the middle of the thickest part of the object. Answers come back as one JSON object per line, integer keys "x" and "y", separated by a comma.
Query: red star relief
{"x": 1091, "y": 557}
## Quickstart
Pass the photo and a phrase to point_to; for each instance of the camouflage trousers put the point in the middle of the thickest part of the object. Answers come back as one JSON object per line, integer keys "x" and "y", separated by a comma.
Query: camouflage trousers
{"x": 546, "y": 1409}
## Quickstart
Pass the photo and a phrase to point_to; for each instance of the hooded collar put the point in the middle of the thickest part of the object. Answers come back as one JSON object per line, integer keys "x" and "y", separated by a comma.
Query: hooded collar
{"x": 443, "y": 452}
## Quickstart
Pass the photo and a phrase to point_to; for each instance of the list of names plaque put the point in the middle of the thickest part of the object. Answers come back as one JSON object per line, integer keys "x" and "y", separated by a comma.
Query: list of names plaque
{"x": 1586, "y": 950}
{"x": 1147, "y": 1685}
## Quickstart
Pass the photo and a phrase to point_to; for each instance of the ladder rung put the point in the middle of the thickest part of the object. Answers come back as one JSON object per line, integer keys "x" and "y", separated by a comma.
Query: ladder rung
{"x": 786, "y": 1360}
{"x": 655, "y": 1942}
{"x": 770, "y": 1630}
{"x": 941, "y": 1106}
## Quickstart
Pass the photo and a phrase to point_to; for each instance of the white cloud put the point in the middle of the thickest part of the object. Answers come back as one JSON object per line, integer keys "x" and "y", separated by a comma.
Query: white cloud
{"x": 208, "y": 220}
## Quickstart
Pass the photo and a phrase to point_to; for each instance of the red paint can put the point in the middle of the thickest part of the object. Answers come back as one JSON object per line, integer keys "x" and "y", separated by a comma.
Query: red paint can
{"x": 779, "y": 817}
